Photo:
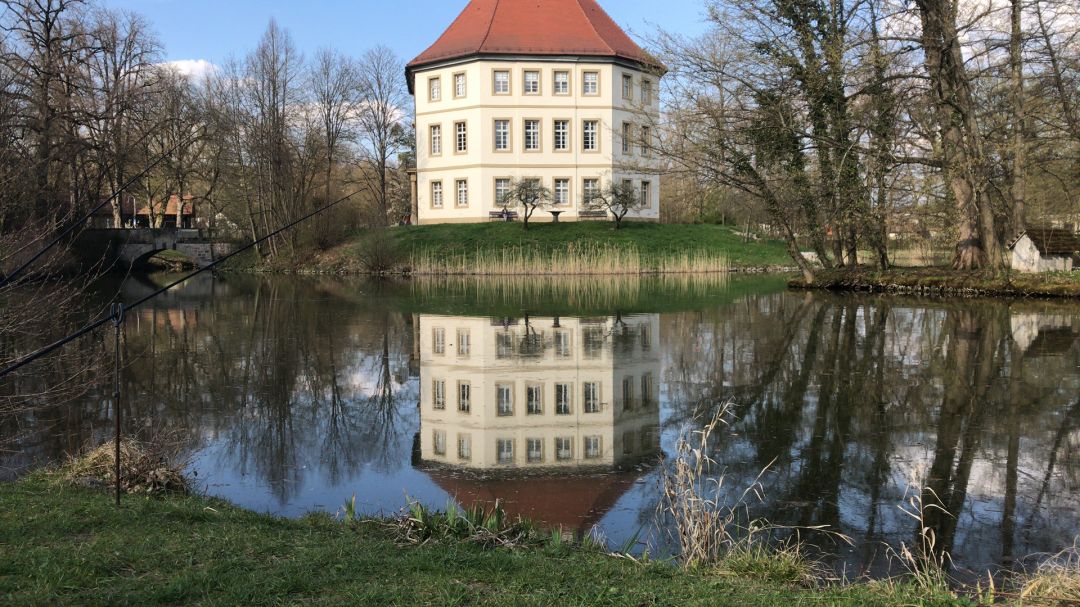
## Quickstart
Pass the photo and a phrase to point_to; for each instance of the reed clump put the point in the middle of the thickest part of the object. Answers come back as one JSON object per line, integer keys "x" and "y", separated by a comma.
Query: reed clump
{"x": 712, "y": 530}
{"x": 1055, "y": 582}
{"x": 143, "y": 469}
{"x": 490, "y": 527}
{"x": 575, "y": 260}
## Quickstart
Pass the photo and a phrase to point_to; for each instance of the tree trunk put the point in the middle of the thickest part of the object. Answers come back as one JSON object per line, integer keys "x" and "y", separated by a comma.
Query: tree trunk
{"x": 1018, "y": 185}
{"x": 961, "y": 142}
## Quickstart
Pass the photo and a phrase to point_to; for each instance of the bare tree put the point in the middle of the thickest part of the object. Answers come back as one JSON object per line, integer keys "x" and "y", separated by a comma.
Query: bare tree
{"x": 530, "y": 194}
{"x": 123, "y": 78}
{"x": 381, "y": 113}
{"x": 618, "y": 198}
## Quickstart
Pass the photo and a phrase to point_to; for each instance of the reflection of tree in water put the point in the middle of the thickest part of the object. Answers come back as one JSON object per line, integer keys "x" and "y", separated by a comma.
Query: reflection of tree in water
{"x": 281, "y": 381}
{"x": 855, "y": 397}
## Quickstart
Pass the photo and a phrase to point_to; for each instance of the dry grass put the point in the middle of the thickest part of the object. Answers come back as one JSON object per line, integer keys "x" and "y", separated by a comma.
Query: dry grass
{"x": 143, "y": 469}
{"x": 574, "y": 260}
{"x": 713, "y": 530}
{"x": 1055, "y": 582}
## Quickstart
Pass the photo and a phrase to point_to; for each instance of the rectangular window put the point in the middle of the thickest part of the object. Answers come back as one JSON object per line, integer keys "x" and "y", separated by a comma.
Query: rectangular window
{"x": 628, "y": 393}
{"x": 590, "y": 190}
{"x": 438, "y": 442}
{"x": 562, "y": 399}
{"x": 627, "y": 86}
{"x": 438, "y": 337}
{"x": 646, "y": 92}
{"x": 438, "y": 395}
{"x": 562, "y": 82}
{"x": 564, "y": 448}
{"x": 532, "y": 135}
{"x": 463, "y": 342}
{"x": 627, "y": 137}
{"x": 646, "y": 140}
{"x": 435, "y": 89}
{"x": 646, "y": 194}
{"x": 436, "y": 195}
{"x": 646, "y": 390}
{"x": 459, "y": 85}
{"x": 502, "y": 135}
{"x": 561, "y": 192}
{"x": 504, "y": 396}
{"x": 534, "y": 397}
{"x": 504, "y": 345}
{"x": 562, "y": 337}
{"x": 592, "y": 397}
{"x": 461, "y": 137}
{"x": 591, "y": 83}
{"x": 532, "y": 82}
{"x": 592, "y": 447}
{"x": 628, "y": 185}
{"x": 502, "y": 191}
{"x": 502, "y": 82}
{"x": 646, "y": 337}
{"x": 464, "y": 447}
{"x": 436, "y": 139}
{"x": 590, "y": 133}
{"x": 464, "y": 398}
{"x": 462, "y": 193}
{"x": 535, "y": 450}
{"x": 505, "y": 449}
{"x": 628, "y": 442}
{"x": 562, "y": 135}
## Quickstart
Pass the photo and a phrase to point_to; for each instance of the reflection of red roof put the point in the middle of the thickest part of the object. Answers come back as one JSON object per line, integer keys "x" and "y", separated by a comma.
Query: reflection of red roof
{"x": 533, "y": 27}
{"x": 570, "y": 502}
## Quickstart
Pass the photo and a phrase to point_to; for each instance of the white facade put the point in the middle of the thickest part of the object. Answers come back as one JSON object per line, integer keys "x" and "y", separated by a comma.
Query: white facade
{"x": 483, "y": 121}
{"x": 577, "y": 394}
{"x": 1027, "y": 259}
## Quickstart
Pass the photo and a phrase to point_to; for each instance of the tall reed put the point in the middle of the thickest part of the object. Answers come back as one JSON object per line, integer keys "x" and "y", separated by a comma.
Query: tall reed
{"x": 713, "y": 529}
{"x": 574, "y": 260}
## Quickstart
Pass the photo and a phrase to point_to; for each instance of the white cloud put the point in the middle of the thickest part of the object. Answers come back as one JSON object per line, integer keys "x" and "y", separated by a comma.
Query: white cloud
{"x": 196, "y": 69}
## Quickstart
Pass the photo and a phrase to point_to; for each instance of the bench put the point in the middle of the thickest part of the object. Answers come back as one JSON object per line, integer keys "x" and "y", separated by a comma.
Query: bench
{"x": 592, "y": 215}
{"x": 503, "y": 215}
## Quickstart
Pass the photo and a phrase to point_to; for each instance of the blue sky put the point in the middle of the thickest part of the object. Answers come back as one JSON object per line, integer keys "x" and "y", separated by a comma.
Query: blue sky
{"x": 212, "y": 30}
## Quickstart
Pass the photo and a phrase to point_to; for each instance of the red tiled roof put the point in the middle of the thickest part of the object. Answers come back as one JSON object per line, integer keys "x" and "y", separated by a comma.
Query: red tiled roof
{"x": 533, "y": 27}
{"x": 570, "y": 502}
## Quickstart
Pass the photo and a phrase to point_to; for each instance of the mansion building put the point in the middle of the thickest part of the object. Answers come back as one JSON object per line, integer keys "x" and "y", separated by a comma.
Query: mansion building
{"x": 551, "y": 90}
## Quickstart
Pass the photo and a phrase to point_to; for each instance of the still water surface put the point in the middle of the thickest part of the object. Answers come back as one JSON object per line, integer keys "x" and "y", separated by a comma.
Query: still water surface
{"x": 559, "y": 399}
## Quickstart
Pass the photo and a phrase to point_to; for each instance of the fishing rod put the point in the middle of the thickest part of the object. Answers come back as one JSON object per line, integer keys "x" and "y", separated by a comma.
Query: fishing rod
{"x": 121, "y": 311}
{"x": 5, "y": 280}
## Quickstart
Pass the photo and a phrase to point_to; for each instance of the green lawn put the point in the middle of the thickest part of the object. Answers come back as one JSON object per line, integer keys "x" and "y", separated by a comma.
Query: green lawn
{"x": 651, "y": 240}
{"x": 65, "y": 546}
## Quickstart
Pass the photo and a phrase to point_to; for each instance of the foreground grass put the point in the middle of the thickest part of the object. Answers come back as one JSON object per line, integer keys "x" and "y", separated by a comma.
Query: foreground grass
{"x": 653, "y": 242}
{"x": 67, "y": 546}
{"x": 946, "y": 281}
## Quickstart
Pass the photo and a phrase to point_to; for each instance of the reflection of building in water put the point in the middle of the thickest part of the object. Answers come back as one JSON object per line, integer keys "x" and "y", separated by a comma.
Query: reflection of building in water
{"x": 1045, "y": 334}
{"x": 530, "y": 403}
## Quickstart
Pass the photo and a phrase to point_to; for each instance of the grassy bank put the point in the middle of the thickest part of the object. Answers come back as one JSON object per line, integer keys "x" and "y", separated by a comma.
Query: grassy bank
{"x": 475, "y": 247}
{"x": 945, "y": 281}
{"x": 70, "y": 546}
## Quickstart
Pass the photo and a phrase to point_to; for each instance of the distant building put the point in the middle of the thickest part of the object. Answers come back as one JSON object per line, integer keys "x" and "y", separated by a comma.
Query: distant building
{"x": 551, "y": 90}
{"x": 134, "y": 214}
{"x": 1045, "y": 250}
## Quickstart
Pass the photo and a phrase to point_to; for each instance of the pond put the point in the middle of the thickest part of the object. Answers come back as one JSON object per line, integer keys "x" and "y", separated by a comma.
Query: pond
{"x": 559, "y": 398}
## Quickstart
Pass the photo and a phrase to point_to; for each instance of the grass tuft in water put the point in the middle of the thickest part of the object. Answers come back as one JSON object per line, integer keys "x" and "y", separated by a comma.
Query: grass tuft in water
{"x": 489, "y": 527}
{"x": 715, "y": 532}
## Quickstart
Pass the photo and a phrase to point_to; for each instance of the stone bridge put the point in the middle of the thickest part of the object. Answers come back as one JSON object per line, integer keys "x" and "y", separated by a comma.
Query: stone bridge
{"x": 136, "y": 245}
